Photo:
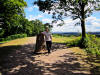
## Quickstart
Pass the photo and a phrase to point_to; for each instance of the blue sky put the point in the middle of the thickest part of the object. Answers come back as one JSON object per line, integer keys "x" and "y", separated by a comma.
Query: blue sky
{"x": 92, "y": 22}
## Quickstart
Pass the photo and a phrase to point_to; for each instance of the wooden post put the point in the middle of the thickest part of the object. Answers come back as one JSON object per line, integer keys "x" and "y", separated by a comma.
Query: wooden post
{"x": 40, "y": 43}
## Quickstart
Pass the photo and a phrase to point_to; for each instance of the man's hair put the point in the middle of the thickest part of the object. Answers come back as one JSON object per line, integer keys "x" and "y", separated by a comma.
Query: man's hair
{"x": 47, "y": 24}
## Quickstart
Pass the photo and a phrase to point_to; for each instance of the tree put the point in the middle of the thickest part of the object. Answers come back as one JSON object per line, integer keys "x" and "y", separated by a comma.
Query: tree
{"x": 77, "y": 9}
{"x": 8, "y": 10}
{"x": 38, "y": 26}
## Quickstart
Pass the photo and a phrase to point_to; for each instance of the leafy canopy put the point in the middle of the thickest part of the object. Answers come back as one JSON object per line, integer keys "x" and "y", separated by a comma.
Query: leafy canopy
{"x": 73, "y": 8}
{"x": 9, "y": 9}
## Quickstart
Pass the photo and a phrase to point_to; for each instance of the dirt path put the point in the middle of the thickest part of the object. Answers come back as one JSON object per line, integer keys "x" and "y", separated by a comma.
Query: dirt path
{"x": 62, "y": 61}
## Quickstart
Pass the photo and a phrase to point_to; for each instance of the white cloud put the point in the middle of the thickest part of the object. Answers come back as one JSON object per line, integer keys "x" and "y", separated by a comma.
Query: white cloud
{"x": 96, "y": 24}
{"x": 35, "y": 6}
{"x": 92, "y": 25}
{"x": 46, "y": 20}
{"x": 31, "y": 8}
{"x": 69, "y": 26}
{"x": 31, "y": 17}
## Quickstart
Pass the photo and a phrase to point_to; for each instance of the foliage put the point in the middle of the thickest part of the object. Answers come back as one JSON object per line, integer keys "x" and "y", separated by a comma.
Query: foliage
{"x": 13, "y": 21}
{"x": 38, "y": 27}
{"x": 77, "y": 9}
{"x": 1, "y": 32}
{"x": 90, "y": 44}
{"x": 22, "y": 25}
{"x": 9, "y": 10}
{"x": 73, "y": 43}
{"x": 12, "y": 37}
{"x": 73, "y": 8}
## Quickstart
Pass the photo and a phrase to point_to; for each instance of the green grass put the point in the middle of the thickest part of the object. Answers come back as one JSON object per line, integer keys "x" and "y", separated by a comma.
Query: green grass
{"x": 63, "y": 39}
{"x": 12, "y": 37}
{"x": 16, "y": 42}
{"x": 3, "y": 41}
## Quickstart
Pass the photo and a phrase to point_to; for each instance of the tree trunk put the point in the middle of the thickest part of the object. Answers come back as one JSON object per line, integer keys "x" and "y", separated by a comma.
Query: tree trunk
{"x": 83, "y": 21}
{"x": 83, "y": 28}
{"x": 40, "y": 43}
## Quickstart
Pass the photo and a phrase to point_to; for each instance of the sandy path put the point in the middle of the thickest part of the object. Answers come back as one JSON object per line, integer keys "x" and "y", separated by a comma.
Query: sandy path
{"x": 61, "y": 61}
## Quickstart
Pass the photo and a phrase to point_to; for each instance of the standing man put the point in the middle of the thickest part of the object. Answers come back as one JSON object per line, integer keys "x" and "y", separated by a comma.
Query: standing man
{"x": 48, "y": 38}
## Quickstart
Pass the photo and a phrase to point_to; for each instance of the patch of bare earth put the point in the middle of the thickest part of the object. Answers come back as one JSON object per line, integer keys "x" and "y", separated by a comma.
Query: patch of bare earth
{"x": 61, "y": 61}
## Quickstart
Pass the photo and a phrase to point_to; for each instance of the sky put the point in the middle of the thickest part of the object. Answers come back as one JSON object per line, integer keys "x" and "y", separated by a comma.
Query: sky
{"x": 92, "y": 23}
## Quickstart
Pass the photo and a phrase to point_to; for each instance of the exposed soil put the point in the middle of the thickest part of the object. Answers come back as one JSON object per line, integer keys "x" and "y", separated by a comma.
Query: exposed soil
{"x": 61, "y": 61}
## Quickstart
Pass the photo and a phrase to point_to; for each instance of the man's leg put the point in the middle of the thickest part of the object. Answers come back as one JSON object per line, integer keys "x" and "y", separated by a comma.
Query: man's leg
{"x": 48, "y": 44}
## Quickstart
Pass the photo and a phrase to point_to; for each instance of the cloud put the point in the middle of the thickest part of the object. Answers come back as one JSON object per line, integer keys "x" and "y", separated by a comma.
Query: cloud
{"x": 31, "y": 17}
{"x": 69, "y": 26}
{"x": 31, "y": 8}
{"x": 43, "y": 17}
{"x": 92, "y": 25}
{"x": 47, "y": 20}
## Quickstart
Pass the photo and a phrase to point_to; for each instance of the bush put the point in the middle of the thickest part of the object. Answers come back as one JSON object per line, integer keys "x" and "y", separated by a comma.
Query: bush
{"x": 12, "y": 37}
{"x": 90, "y": 44}
{"x": 74, "y": 43}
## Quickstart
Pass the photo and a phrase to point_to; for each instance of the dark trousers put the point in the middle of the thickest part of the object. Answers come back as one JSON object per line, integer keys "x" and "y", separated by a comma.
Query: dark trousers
{"x": 48, "y": 44}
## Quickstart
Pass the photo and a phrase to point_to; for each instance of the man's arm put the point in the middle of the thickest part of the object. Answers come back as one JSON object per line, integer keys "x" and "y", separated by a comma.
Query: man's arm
{"x": 51, "y": 37}
{"x": 43, "y": 33}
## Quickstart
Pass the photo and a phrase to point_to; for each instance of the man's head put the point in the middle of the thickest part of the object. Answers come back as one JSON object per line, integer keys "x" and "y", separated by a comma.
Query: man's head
{"x": 47, "y": 29}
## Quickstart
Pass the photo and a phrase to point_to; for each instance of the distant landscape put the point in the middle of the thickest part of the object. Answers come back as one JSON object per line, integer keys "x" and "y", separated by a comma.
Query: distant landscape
{"x": 76, "y": 33}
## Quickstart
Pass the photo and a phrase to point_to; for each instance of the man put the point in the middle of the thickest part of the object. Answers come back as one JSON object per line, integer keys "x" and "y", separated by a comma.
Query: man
{"x": 48, "y": 38}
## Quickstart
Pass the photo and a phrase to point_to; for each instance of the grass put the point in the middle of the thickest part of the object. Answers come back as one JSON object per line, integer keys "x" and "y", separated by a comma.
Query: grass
{"x": 63, "y": 39}
{"x": 14, "y": 42}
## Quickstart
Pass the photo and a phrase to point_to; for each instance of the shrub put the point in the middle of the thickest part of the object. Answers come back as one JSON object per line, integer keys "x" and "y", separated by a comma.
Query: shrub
{"x": 12, "y": 37}
{"x": 90, "y": 44}
{"x": 74, "y": 43}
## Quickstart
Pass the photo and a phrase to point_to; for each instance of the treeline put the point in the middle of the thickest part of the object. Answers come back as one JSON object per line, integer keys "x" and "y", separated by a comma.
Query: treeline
{"x": 13, "y": 21}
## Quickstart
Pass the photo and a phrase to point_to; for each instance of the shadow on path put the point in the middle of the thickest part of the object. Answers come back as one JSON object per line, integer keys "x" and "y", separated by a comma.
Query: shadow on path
{"x": 20, "y": 60}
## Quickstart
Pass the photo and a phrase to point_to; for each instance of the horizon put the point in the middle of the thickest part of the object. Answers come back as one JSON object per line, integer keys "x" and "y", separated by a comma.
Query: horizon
{"x": 76, "y": 32}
